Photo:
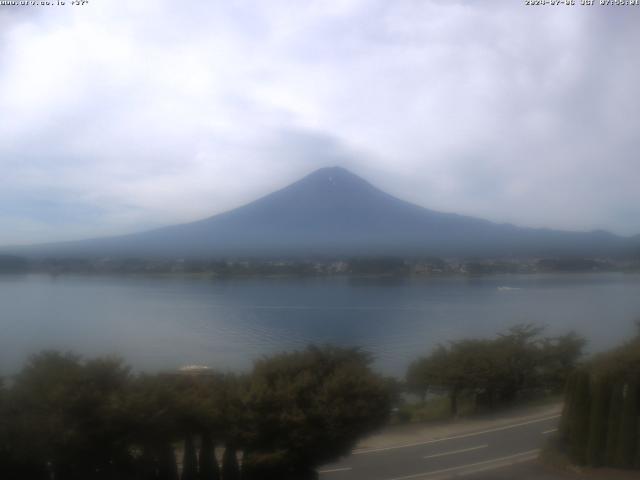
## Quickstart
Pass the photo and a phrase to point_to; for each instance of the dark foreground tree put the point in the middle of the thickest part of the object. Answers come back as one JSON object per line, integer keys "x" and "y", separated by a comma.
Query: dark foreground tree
{"x": 309, "y": 407}
{"x": 614, "y": 420}
{"x": 579, "y": 418}
{"x": 189, "y": 460}
{"x": 628, "y": 434}
{"x": 596, "y": 446}
{"x": 230, "y": 467}
{"x": 207, "y": 462}
{"x": 497, "y": 371}
{"x": 67, "y": 418}
{"x": 427, "y": 372}
{"x": 167, "y": 467}
{"x": 558, "y": 359}
{"x": 64, "y": 418}
{"x": 601, "y": 419}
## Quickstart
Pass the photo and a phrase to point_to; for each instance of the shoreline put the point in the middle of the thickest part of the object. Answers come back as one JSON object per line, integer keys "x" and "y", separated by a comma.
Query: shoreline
{"x": 214, "y": 276}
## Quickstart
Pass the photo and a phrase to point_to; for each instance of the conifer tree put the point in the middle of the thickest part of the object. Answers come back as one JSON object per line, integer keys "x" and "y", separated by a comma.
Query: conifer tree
{"x": 580, "y": 419}
{"x": 230, "y": 467}
{"x": 598, "y": 422}
{"x": 567, "y": 411}
{"x": 627, "y": 436}
{"x": 167, "y": 467}
{"x": 613, "y": 423}
{"x": 209, "y": 469}
{"x": 189, "y": 460}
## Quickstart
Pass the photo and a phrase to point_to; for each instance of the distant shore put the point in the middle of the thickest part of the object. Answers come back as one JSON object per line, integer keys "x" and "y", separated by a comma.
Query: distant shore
{"x": 357, "y": 267}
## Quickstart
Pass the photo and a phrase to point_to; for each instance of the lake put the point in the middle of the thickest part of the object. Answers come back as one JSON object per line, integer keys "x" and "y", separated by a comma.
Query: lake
{"x": 165, "y": 322}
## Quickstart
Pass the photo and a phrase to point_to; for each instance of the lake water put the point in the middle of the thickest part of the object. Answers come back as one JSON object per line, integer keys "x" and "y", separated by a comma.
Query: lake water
{"x": 160, "y": 323}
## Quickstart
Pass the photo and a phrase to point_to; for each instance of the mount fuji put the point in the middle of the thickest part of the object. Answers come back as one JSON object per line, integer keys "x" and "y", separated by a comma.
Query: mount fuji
{"x": 333, "y": 212}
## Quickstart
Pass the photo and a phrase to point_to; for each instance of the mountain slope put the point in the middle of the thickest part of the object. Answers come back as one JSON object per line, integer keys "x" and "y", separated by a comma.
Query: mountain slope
{"x": 334, "y": 212}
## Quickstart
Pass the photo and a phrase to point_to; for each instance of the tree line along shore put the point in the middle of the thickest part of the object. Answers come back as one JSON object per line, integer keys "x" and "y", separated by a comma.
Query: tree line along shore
{"x": 66, "y": 418}
{"x": 352, "y": 266}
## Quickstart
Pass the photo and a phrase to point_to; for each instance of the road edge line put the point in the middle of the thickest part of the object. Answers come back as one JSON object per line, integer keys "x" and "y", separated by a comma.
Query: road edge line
{"x": 454, "y": 437}
{"x": 462, "y": 470}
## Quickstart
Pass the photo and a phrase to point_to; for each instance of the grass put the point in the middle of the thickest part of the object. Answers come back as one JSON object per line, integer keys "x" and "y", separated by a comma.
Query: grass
{"x": 439, "y": 408}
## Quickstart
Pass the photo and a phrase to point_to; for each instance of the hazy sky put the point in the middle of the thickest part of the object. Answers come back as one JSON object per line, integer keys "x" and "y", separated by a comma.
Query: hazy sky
{"x": 124, "y": 115}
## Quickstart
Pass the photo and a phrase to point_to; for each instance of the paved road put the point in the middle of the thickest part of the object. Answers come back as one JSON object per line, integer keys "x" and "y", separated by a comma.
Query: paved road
{"x": 449, "y": 457}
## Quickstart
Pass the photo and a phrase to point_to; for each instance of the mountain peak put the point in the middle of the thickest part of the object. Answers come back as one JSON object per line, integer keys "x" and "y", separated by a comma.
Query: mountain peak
{"x": 329, "y": 178}
{"x": 327, "y": 173}
{"x": 335, "y": 170}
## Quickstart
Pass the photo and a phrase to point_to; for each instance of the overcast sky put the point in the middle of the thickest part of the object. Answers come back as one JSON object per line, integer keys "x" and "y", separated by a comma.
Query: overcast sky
{"x": 125, "y": 115}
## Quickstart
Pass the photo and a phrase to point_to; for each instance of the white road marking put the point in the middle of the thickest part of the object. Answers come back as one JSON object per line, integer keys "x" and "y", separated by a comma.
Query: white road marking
{"x": 335, "y": 470}
{"x": 444, "y": 454}
{"x": 526, "y": 458}
{"x": 547, "y": 432}
{"x": 455, "y": 437}
{"x": 499, "y": 461}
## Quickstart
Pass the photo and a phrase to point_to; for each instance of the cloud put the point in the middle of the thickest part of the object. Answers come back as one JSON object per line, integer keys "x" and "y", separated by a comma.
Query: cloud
{"x": 121, "y": 116}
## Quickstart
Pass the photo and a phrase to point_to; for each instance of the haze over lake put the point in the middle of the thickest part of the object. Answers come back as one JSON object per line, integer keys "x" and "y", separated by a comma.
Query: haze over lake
{"x": 163, "y": 323}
